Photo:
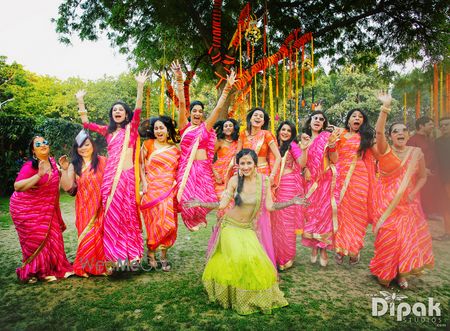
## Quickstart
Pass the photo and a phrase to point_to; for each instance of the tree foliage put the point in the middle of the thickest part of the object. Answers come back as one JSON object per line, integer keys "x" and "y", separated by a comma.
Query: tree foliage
{"x": 154, "y": 32}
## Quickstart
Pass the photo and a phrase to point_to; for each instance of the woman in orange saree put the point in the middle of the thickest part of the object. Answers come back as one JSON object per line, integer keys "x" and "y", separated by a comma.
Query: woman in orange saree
{"x": 83, "y": 178}
{"x": 227, "y": 132}
{"x": 356, "y": 175}
{"x": 403, "y": 242}
{"x": 257, "y": 137}
{"x": 159, "y": 164}
{"x": 35, "y": 212}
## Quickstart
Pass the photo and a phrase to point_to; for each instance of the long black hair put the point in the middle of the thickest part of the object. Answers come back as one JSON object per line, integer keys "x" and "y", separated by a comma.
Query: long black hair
{"x": 128, "y": 116}
{"x": 249, "y": 116}
{"x": 366, "y": 132}
{"x": 33, "y": 158}
{"x": 243, "y": 152}
{"x": 218, "y": 127}
{"x": 147, "y": 128}
{"x": 77, "y": 159}
{"x": 285, "y": 145}
{"x": 307, "y": 126}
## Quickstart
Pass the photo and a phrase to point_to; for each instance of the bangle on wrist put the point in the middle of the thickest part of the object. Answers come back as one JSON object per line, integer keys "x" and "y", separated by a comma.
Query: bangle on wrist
{"x": 385, "y": 109}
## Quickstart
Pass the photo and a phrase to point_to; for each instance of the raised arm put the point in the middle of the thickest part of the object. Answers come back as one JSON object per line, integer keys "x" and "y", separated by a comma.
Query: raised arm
{"x": 101, "y": 129}
{"x": 304, "y": 145}
{"x": 81, "y": 106}
{"x": 332, "y": 145}
{"x": 178, "y": 74}
{"x": 67, "y": 173}
{"x": 380, "y": 127}
{"x": 231, "y": 78}
{"x": 141, "y": 78}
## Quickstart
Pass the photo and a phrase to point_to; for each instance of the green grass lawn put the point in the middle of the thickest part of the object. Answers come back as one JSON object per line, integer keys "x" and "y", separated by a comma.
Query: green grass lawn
{"x": 331, "y": 298}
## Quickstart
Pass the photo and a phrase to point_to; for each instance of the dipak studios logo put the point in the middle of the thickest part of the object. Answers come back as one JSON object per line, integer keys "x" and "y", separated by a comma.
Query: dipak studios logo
{"x": 418, "y": 312}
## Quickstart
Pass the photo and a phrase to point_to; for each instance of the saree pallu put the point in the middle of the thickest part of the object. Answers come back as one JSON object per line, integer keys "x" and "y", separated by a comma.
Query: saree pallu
{"x": 287, "y": 222}
{"x": 122, "y": 235}
{"x": 318, "y": 229}
{"x": 37, "y": 218}
{"x": 403, "y": 242}
{"x": 90, "y": 256}
{"x": 158, "y": 205}
{"x": 195, "y": 177}
{"x": 224, "y": 165}
{"x": 353, "y": 184}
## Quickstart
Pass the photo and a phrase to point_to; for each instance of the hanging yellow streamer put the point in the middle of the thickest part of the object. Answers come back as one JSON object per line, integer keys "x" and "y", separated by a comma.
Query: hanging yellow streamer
{"x": 296, "y": 90}
{"x": 312, "y": 72}
{"x": 441, "y": 94}
{"x": 404, "y": 109}
{"x": 161, "y": 97}
{"x": 147, "y": 97}
{"x": 272, "y": 108}
{"x": 256, "y": 90}
{"x": 284, "y": 90}
{"x": 173, "y": 104}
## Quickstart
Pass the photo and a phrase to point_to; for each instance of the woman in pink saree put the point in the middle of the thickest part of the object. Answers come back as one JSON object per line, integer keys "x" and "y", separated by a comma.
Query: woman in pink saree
{"x": 34, "y": 208}
{"x": 122, "y": 226}
{"x": 319, "y": 157}
{"x": 286, "y": 223}
{"x": 403, "y": 241}
{"x": 195, "y": 176}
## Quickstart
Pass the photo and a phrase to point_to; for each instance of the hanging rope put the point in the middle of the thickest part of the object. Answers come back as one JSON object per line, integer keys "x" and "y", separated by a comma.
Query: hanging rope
{"x": 161, "y": 96}
{"x": 312, "y": 74}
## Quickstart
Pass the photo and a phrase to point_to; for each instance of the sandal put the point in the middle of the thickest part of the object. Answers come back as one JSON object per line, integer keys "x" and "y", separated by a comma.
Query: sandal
{"x": 339, "y": 258}
{"x": 354, "y": 260}
{"x": 152, "y": 263}
{"x": 32, "y": 280}
{"x": 403, "y": 284}
{"x": 314, "y": 257}
{"x": 165, "y": 265}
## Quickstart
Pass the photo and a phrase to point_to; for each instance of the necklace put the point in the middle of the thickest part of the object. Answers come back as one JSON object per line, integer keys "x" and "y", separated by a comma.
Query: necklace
{"x": 228, "y": 140}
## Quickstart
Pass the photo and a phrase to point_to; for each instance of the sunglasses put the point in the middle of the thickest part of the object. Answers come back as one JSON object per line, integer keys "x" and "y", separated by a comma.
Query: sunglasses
{"x": 39, "y": 144}
{"x": 318, "y": 118}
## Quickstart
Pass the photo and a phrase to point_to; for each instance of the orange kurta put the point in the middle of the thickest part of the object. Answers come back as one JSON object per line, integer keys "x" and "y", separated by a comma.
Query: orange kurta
{"x": 158, "y": 204}
{"x": 90, "y": 256}
{"x": 403, "y": 242}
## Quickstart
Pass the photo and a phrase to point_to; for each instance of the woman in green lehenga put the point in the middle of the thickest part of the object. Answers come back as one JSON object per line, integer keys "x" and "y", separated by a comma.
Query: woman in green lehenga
{"x": 239, "y": 274}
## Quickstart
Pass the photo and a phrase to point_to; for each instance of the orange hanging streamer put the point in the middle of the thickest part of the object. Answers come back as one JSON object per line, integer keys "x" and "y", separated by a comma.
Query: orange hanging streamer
{"x": 418, "y": 104}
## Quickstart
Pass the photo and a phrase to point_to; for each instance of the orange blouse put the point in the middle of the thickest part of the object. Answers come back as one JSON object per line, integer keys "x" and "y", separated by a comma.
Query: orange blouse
{"x": 253, "y": 141}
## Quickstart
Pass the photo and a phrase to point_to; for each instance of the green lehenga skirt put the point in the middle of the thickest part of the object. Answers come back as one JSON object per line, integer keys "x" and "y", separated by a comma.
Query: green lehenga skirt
{"x": 239, "y": 274}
